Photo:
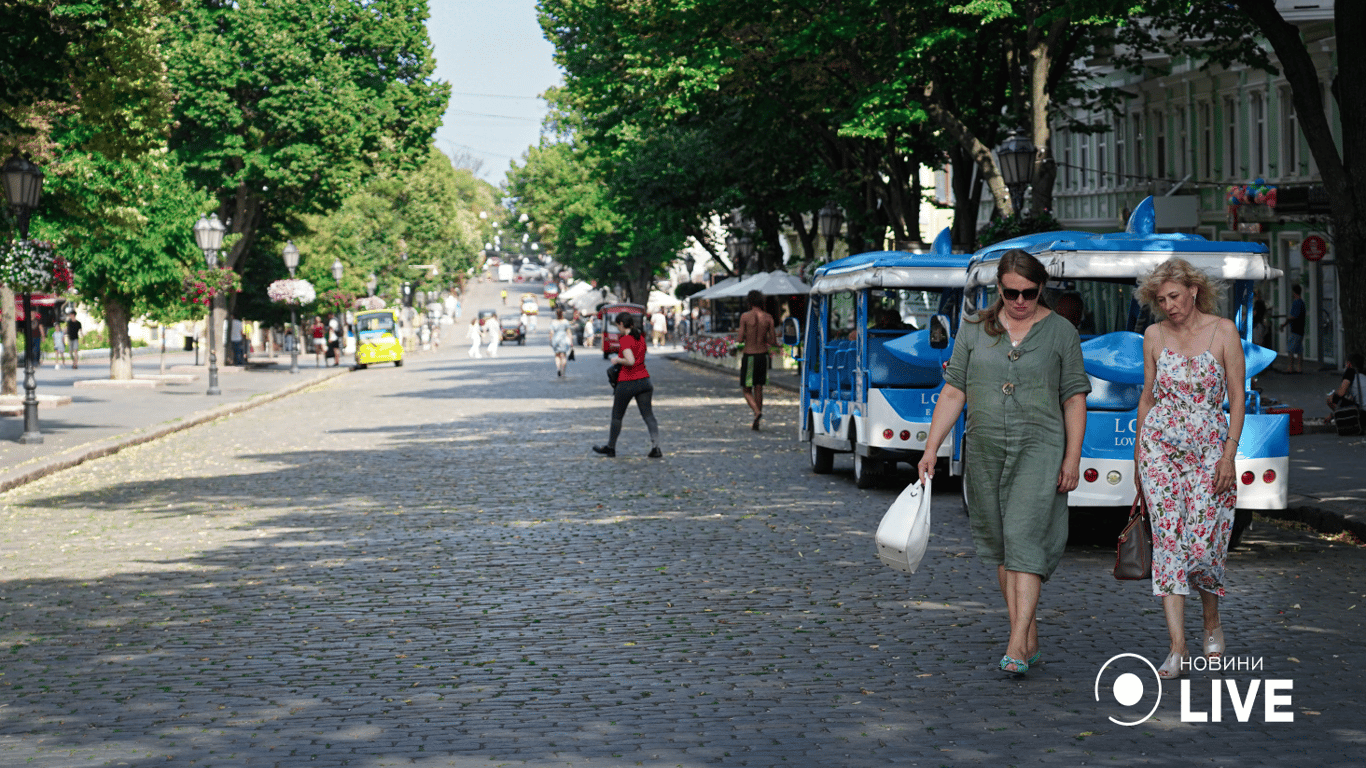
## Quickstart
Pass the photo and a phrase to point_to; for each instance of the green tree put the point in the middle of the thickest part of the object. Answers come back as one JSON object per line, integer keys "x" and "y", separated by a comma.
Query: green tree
{"x": 286, "y": 107}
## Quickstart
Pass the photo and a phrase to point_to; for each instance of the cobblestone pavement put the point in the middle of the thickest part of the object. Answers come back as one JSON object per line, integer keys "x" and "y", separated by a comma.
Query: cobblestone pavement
{"x": 426, "y": 566}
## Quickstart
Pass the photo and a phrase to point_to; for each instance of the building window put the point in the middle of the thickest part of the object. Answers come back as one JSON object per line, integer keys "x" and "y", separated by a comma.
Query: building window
{"x": 1183, "y": 149}
{"x": 1085, "y": 161}
{"x": 1160, "y": 169}
{"x": 1205, "y": 116}
{"x": 1120, "y": 179}
{"x": 1290, "y": 135}
{"x": 1140, "y": 153}
{"x": 1065, "y": 139}
{"x": 1230, "y": 118}
{"x": 1257, "y": 125}
{"x": 1102, "y": 162}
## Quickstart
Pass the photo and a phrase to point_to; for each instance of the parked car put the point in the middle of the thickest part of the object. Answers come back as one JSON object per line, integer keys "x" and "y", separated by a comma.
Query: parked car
{"x": 878, "y": 331}
{"x": 1102, "y": 271}
{"x": 513, "y": 329}
{"x": 377, "y": 338}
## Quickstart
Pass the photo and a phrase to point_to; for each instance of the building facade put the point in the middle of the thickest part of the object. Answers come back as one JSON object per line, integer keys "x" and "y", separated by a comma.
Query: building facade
{"x": 1187, "y": 138}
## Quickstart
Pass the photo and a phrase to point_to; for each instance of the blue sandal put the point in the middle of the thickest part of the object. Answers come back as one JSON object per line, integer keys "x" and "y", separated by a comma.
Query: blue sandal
{"x": 1021, "y": 666}
{"x": 1035, "y": 658}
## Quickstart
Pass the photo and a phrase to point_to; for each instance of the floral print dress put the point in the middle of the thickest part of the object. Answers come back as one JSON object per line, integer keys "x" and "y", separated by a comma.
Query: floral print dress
{"x": 1182, "y": 439}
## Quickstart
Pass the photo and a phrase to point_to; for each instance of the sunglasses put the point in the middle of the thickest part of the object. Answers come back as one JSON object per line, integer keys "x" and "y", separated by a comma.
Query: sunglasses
{"x": 1013, "y": 294}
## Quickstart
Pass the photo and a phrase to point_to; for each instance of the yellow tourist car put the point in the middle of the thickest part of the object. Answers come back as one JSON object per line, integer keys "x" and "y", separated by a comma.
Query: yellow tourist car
{"x": 377, "y": 338}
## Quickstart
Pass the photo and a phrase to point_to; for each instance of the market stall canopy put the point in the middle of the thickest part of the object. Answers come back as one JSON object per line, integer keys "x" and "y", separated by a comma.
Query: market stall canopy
{"x": 38, "y": 299}
{"x": 775, "y": 283}
{"x": 708, "y": 293}
{"x": 662, "y": 299}
{"x": 575, "y": 290}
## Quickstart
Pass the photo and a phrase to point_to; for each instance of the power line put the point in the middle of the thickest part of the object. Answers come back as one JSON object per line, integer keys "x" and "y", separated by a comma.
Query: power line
{"x": 499, "y": 117}
{"x": 495, "y": 96}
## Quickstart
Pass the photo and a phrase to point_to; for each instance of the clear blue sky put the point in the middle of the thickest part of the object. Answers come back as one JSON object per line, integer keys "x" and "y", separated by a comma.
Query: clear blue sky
{"x": 498, "y": 63}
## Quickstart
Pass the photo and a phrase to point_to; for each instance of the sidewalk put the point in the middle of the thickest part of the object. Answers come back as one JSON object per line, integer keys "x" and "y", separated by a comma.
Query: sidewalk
{"x": 101, "y": 420}
{"x": 1327, "y": 472}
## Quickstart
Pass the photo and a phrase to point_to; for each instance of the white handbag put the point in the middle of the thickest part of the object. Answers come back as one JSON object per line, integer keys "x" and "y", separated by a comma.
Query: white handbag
{"x": 905, "y": 529}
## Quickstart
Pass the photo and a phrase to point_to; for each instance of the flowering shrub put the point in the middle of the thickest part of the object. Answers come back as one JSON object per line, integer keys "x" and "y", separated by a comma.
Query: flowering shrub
{"x": 336, "y": 300}
{"x": 201, "y": 285}
{"x": 712, "y": 346}
{"x": 291, "y": 291}
{"x": 33, "y": 265}
{"x": 370, "y": 302}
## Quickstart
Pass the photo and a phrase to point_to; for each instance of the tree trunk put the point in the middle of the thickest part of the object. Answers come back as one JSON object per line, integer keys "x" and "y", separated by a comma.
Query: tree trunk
{"x": 120, "y": 347}
{"x": 966, "y": 199}
{"x": 1041, "y": 64}
{"x": 807, "y": 237}
{"x": 9, "y": 336}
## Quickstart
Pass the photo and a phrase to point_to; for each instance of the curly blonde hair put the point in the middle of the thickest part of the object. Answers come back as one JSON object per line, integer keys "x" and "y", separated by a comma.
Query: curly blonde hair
{"x": 1180, "y": 271}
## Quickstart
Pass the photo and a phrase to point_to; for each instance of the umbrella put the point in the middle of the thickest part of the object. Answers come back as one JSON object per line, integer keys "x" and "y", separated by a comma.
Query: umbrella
{"x": 709, "y": 292}
{"x": 662, "y": 299}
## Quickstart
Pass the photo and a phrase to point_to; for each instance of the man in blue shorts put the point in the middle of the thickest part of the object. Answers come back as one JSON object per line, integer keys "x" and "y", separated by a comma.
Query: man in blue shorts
{"x": 1294, "y": 341}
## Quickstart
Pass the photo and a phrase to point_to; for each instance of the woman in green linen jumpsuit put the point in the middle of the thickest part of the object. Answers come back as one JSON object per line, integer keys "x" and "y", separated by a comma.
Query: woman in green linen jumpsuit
{"x": 1017, "y": 365}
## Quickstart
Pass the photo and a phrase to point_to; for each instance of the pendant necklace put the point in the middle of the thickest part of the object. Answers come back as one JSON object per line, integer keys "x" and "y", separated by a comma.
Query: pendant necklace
{"x": 1011, "y": 333}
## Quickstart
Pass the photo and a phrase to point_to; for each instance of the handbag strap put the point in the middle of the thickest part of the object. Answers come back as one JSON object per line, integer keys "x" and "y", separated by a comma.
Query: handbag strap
{"x": 1139, "y": 507}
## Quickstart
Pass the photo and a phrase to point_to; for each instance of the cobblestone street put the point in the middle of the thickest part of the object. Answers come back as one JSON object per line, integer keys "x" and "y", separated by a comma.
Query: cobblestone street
{"x": 427, "y": 566}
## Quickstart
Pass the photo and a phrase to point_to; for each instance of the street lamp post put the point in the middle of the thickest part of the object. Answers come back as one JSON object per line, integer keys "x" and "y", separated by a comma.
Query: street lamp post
{"x": 337, "y": 268}
{"x": 1015, "y": 157}
{"x": 292, "y": 263}
{"x": 371, "y": 284}
{"x": 208, "y": 235}
{"x": 23, "y": 182}
{"x": 830, "y": 219}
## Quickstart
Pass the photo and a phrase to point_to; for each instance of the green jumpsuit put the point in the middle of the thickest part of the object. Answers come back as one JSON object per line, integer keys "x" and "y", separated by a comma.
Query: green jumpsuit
{"x": 1015, "y": 439}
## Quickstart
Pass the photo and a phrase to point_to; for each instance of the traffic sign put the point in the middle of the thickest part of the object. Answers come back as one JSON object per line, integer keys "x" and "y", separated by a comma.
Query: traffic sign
{"x": 1314, "y": 248}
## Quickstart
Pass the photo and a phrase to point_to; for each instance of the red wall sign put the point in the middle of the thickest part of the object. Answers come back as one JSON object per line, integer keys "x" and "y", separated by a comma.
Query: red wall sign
{"x": 1313, "y": 248}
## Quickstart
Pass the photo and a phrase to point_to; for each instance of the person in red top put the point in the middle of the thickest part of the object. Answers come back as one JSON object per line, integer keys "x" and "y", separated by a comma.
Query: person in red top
{"x": 632, "y": 384}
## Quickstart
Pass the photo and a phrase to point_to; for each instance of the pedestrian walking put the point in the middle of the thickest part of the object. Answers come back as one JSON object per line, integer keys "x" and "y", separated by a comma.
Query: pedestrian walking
{"x": 660, "y": 327}
{"x": 633, "y": 384}
{"x": 493, "y": 332}
{"x": 1186, "y": 446}
{"x": 58, "y": 345}
{"x": 758, "y": 337}
{"x": 334, "y": 339}
{"x": 1017, "y": 366}
{"x": 73, "y": 337}
{"x": 560, "y": 340}
{"x": 1294, "y": 341}
{"x": 474, "y": 336}
{"x": 319, "y": 335}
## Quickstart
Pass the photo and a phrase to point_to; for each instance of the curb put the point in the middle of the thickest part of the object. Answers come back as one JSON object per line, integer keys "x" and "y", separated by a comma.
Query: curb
{"x": 1321, "y": 516}
{"x": 113, "y": 445}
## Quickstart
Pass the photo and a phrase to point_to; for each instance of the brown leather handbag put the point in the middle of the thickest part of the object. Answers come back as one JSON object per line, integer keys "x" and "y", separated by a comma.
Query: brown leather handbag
{"x": 1134, "y": 554}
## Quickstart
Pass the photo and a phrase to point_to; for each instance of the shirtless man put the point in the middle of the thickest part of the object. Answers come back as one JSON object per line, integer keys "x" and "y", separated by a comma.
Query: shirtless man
{"x": 759, "y": 336}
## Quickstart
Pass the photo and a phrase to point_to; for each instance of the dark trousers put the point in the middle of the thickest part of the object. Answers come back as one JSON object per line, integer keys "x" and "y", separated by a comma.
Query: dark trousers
{"x": 642, "y": 391}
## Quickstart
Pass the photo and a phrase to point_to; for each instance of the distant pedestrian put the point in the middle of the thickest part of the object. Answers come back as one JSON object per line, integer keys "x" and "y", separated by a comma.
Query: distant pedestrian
{"x": 319, "y": 335}
{"x": 473, "y": 334}
{"x": 660, "y": 327}
{"x": 494, "y": 333}
{"x": 58, "y": 345}
{"x": 1349, "y": 390}
{"x": 334, "y": 339}
{"x": 73, "y": 337}
{"x": 1294, "y": 341}
{"x": 758, "y": 337}
{"x": 561, "y": 340}
{"x": 632, "y": 384}
{"x": 236, "y": 341}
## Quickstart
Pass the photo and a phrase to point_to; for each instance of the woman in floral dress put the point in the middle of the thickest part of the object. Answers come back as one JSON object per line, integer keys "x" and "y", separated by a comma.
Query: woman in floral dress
{"x": 1186, "y": 447}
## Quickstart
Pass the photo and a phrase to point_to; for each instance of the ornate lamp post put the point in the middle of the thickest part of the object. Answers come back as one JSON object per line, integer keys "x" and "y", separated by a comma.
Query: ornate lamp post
{"x": 371, "y": 284}
{"x": 23, "y": 182}
{"x": 337, "y": 268}
{"x": 292, "y": 263}
{"x": 830, "y": 219}
{"x": 744, "y": 249}
{"x": 208, "y": 235}
{"x": 1015, "y": 157}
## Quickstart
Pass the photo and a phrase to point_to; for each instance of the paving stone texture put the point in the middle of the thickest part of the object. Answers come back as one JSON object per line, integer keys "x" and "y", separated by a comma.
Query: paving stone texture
{"x": 427, "y": 566}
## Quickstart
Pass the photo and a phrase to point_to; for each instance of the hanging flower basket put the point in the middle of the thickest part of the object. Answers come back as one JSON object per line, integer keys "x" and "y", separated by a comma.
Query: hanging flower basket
{"x": 33, "y": 266}
{"x": 291, "y": 291}
{"x": 336, "y": 300}
{"x": 370, "y": 302}
{"x": 201, "y": 285}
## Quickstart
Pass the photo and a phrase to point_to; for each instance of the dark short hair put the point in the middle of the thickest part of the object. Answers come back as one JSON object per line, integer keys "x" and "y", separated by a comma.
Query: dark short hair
{"x": 1357, "y": 360}
{"x": 755, "y": 299}
{"x": 1296, "y": 289}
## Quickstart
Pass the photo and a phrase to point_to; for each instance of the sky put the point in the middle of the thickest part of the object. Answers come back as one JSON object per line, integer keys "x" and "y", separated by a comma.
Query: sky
{"x": 498, "y": 62}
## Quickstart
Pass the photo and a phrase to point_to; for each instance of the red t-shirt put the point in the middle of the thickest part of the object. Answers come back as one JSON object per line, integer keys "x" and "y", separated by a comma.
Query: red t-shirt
{"x": 637, "y": 347}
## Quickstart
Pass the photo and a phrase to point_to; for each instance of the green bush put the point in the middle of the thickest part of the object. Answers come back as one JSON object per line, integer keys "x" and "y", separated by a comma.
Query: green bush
{"x": 89, "y": 340}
